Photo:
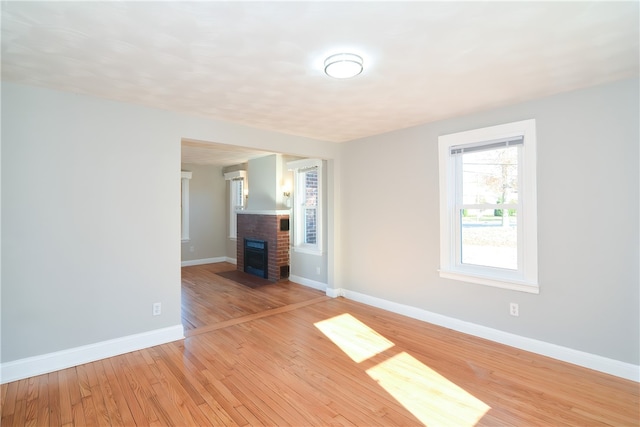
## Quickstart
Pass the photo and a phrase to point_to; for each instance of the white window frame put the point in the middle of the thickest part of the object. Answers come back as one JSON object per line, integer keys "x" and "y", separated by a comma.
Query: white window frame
{"x": 235, "y": 205}
{"x": 299, "y": 167}
{"x": 524, "y": 279}
{"x": 184, "y": 206}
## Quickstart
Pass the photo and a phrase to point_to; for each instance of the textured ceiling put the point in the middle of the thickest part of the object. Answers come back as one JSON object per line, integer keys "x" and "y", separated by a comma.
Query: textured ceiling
{"x": 207, "y": 153}
{"x": 260, "y": 63}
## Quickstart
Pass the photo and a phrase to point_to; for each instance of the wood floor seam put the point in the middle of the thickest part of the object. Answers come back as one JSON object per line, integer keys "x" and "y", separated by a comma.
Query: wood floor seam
{"x": 255, "y": 316}
{"x": 300, "y": 358}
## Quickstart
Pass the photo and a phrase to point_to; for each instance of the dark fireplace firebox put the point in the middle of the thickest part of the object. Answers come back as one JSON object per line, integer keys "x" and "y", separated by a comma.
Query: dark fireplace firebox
{"x": 255, "y": 257}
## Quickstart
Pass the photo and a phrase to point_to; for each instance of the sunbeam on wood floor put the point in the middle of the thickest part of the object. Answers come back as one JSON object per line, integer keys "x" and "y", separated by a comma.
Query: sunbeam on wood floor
{"x": 429, "y": 396}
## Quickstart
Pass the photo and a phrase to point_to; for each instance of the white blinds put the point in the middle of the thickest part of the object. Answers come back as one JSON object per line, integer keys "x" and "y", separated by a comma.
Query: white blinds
{"x": 487, "y": 145}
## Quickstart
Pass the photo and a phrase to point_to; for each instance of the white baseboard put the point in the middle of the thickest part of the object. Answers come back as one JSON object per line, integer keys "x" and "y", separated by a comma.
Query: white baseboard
{"x": 335, "y": 292}
{"x": 308, "y": 282}
{"x": 204, "y": 261}
{"x": 231, "y": 260}
{"x": 43, "y": 364}
{"x": 565, "y": 354}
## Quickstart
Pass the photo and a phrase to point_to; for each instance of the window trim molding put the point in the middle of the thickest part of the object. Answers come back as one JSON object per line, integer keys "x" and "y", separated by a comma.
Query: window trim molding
{"x": 298, "y": 166}
{"x": 526, "y": 279}
{"x": 233, "y": 225}
{"x": 185, "y": 176}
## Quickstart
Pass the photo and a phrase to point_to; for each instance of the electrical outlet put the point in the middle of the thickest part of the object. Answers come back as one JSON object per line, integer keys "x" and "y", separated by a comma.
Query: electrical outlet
{"x": 191, "y": 249}
{"x": 318, "y": 270}
{"x": 514, "y": 309}
{"x": 157, "y": 308}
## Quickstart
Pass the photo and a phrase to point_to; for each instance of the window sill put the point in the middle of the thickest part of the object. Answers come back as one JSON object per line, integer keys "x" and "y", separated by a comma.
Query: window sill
{"x": 306, "y": 250}
{"x": 514, "y": 285}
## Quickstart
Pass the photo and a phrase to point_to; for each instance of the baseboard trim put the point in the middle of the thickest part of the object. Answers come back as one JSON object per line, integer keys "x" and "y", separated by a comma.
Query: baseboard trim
{"x": 565, "y": 354}
{"x": 43, "y": 364}
{"x": 189, "y": 263}
{"x": 335, "y": 292}
{"x": 231, "y": 260}
{"x": 308, "y": 282}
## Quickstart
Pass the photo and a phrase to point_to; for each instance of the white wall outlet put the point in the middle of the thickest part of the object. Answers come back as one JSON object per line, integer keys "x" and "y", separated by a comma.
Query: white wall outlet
{"x": 157, "y": 308}
{"x": 318, "y": 270}
{"x": 191, "y": 248}
{"x": 514, "y": 310}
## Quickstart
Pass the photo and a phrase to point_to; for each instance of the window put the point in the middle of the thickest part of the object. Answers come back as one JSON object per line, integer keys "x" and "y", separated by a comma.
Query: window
{"x": 236, "y": 199}
{"x": 184, "y": 205}
{"x": 488, "y": 213}
{"x": 307, "y": 214}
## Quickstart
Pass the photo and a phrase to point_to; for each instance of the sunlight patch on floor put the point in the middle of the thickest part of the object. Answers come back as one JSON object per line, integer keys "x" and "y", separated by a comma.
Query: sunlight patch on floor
{"x": 356, "y": 339}
{"x": 429, "y": 396}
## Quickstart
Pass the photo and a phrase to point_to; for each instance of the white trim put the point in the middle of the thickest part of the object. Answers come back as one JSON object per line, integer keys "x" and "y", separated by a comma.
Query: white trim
{"x": 308, "y": 249}
{"x": 304, "y": 164}
{"x": 300, "y": 167}
{"x": 576, "y": 357}
{"x": 236, "y": 202}
{"x": 235, "y": 175}
{"x": 265, "y": 212}
{"x": 191, "y": 262}
{"x": 184, "y": 216}
{"x": 510, "y": 284}
{"x": 335, "y": 292}
{"x": 526, "y": 278}
{"x": 45, "y": 363}
{"x": 308, "y": 282}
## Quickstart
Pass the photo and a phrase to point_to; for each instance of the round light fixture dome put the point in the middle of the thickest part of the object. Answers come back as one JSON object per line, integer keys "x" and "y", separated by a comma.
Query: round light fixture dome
{"x": 343, "y": 65}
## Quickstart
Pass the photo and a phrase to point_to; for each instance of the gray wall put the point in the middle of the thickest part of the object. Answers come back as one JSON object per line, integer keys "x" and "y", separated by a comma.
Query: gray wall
{"x": 263, "y": 177}
{"x": 588, "y": 187}
{"x": 90, "y": 221}
{"x": 207, "y": 213}
{"x": 91, "y": 215}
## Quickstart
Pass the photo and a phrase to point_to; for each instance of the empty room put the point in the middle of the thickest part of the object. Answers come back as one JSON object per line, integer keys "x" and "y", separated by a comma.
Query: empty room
{"x": 320, "y": 213}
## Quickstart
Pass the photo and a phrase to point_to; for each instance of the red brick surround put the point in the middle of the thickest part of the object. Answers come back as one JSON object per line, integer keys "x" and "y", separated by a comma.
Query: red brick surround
{"x": 267, "y": 228}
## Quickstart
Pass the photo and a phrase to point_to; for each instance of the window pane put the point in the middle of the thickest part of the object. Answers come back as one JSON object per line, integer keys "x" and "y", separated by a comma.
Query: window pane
{"x": 311, "y": 188}
{"x": 310, "y": 226}
{"x": 489, "y": 237}
{"x": 237, "y": 193}
{"x": 490, "y": 176}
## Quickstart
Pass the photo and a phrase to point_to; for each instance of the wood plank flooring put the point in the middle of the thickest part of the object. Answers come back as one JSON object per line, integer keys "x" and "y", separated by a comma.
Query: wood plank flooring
{"x": 297, "y": 358}
{"x": 208, "y": 299}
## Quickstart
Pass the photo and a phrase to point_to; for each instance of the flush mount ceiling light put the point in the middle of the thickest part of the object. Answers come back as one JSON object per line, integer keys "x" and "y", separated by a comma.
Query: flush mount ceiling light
{"x": 343, "y": 65}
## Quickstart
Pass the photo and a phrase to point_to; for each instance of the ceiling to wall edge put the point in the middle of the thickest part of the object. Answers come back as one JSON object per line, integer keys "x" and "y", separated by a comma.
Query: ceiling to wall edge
{"x": 202, "y": 152}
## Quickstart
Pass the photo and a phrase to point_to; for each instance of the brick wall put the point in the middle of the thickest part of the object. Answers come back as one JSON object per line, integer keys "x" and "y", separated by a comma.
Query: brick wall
{"x": 267, "y": 228}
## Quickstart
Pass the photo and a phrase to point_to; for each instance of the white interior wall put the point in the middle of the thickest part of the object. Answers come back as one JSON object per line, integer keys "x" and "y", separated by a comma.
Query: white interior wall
{"x": 207, "y": 213}
{"x": 90, "y": 193}
{"x": 263, "y": 178}
{"x": 91, "y": 217}
{"x": 588, "y": 186}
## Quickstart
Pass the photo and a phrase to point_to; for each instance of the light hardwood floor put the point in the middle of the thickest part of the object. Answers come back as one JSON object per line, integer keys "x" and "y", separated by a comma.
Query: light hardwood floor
{"x": 284, "y": 354}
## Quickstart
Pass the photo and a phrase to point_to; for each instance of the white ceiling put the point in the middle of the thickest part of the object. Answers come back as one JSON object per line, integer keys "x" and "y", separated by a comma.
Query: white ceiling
{"x": 207, "y": 153}
{"x": 260, "y": 63}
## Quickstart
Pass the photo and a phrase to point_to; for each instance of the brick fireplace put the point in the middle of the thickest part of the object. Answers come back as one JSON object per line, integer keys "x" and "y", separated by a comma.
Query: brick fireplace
{"x": 273, "y": 229}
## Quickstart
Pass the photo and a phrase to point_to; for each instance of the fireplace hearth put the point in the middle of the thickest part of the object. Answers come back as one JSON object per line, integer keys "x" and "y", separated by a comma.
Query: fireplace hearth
{"x": 272, "y": 230}
{"x": 256, "y": 257}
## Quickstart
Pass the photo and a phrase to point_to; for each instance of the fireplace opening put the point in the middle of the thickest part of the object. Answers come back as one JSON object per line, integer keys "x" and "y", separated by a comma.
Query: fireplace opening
{"x": 255, "y": 257}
